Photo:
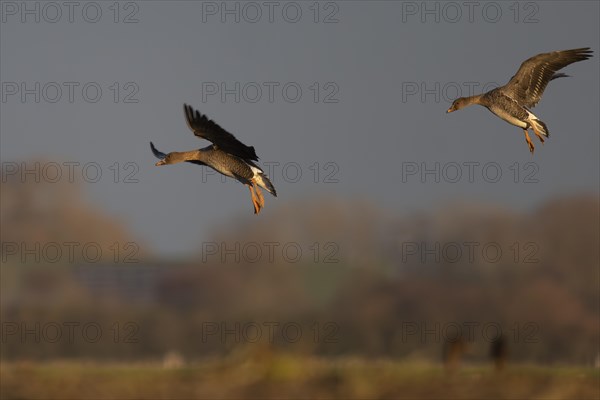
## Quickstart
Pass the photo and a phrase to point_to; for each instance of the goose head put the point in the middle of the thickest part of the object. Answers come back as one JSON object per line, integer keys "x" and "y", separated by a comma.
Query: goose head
{"x": 164, "y": 158}
{"x": 171, "y": 158}
{"x": 459, "y": 103}
{"x": 463, "y": 102}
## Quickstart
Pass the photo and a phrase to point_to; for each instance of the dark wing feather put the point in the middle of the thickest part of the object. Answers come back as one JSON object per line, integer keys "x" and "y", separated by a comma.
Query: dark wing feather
{"x": 195, "y": 162}
{"x": 158, "y": 154}
{"x": 209, "y": 130}
{"x": 528, "y": 84}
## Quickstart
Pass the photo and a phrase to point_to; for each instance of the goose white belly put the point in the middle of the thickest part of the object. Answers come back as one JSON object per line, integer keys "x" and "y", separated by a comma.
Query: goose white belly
{"x": 511, "y": 119}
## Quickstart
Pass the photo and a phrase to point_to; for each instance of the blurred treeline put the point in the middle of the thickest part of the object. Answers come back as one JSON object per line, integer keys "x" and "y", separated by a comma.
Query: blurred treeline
{"x": 364, "y": 281}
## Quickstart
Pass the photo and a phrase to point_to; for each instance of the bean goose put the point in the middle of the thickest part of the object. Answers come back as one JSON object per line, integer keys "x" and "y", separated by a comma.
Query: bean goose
{"x": 227, "y": 155}
{"x": 513, "y": 101}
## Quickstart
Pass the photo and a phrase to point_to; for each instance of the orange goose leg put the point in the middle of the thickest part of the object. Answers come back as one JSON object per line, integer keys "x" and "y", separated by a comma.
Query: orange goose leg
{"x": 254, "y": 201}
{"x": 539, "y": 135}
{"x": 528, "y": 140}
{"x": 259, "y": 195}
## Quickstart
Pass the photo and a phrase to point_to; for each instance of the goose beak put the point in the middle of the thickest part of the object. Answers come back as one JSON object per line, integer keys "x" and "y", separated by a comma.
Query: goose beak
{"x": 449, "y": 110}
{"x": 161, "y": 162}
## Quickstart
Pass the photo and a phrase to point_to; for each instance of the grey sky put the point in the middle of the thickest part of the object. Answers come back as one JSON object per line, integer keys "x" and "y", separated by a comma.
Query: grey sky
{"x": 371, "y": 54}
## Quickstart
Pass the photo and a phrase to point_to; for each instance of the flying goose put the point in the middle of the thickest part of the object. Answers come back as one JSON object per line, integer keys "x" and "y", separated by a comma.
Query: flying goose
{"x": 512, "y": 101}
{"x": 226, "y": 155}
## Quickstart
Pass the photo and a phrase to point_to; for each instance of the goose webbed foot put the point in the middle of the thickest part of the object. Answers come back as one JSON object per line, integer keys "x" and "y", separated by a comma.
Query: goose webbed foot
{"x": 529, "y": 142}
{"x": 259, "y": 195}
{"x": 255, "y": 202}
{"x": 539, "y": 135}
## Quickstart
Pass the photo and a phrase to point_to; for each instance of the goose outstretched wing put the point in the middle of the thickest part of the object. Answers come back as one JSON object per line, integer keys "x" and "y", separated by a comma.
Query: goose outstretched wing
{"x": 158, "y": 154}
{"x": 208, "y": 129}
{"x": 528, "y": 84}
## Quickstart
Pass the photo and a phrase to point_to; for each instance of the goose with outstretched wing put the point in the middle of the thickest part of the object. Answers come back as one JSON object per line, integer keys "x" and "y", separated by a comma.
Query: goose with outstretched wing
{"x": 227, "y": 155}
{"x": 512, "y": 101}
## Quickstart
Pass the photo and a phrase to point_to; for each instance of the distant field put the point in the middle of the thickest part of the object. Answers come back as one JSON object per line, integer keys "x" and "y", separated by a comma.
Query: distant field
{"x": 291, "y": 377}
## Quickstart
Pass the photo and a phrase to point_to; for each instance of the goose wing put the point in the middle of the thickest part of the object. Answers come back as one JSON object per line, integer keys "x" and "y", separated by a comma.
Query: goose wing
{"x": 528, "y": 84}
{"x": 158, "y": 154}
{"x": 208, "y": 129}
